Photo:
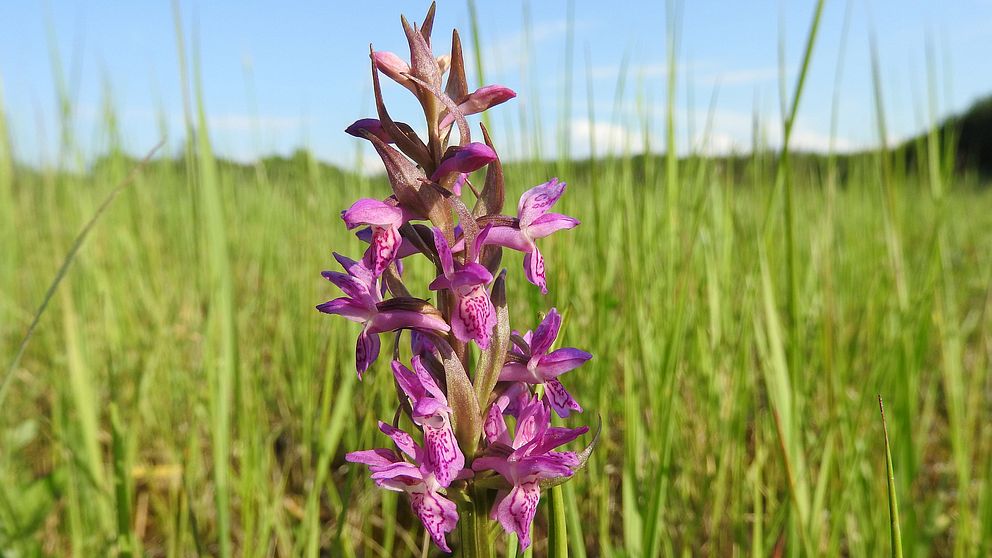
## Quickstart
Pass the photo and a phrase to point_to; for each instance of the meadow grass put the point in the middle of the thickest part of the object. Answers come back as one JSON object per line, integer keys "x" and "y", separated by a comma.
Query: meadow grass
{"x": 181, "y": 396}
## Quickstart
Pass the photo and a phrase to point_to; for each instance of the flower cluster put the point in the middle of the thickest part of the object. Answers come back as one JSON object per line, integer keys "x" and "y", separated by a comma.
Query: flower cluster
{"x": 468, "y": 451}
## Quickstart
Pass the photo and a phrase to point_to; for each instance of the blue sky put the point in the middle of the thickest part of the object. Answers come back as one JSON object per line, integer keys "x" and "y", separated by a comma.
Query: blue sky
{"x": 277, "y": 79}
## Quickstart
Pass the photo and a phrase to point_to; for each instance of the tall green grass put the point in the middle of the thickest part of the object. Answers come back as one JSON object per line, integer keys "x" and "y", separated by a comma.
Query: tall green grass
{"x": 180, "y": 396}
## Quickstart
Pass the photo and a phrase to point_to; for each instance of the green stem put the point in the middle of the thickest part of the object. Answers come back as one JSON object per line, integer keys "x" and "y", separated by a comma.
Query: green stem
{"x": 473, "y": 526}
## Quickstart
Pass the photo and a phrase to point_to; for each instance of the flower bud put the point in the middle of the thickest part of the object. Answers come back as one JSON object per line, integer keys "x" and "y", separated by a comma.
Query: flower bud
{"x": 370, "y": 125}
{"x": 465, "y": 159}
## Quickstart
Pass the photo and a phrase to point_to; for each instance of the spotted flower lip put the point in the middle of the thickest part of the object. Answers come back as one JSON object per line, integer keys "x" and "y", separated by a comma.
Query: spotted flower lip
{"x": 390, "y": 471}
{"x": 537, "y": 364}
{"x": 524, "y": 460}
{"x": 474, "y": 315}
{"x": 407, "y": 248}
{"x": 442, "y": 456}
{"x": 385, "y": 221}
{"x": 533, "y": 222}
{"x": 363, "y": 303}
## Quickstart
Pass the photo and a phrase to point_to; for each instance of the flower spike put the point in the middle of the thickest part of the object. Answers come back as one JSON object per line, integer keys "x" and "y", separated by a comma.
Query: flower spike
{"x": 457, "y": 448}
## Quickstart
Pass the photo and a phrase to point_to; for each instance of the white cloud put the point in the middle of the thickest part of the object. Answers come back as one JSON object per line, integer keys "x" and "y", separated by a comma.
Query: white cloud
{"x": 609, "y": 137}
{"x": 745, "y": 76}
{"x": 509, "y": 52}
{"x": 811, "y": 140}
{"x": 729, "y": 132}
{"x": 612, "y": 72}
{"x": 719, "y": 144}
{"x": 701, "y": 72}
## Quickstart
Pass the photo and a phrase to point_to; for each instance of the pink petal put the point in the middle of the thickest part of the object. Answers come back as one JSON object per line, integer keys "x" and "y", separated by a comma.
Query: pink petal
{"x": 429, "y": 411}
{"x": 385, "y": 247}
{"x": 370, "y": 125}
{"x": 550, "y": 465}
{"x": 518, "y": 394}
{"x": 407, "y": 381}
{"x": 393, "y": 320}
{"x": 402, "y": 440}
{"x": 427, "y": 380}
{"x": 420, "y": 344}
{"x": 367, "y": 211}
{"x": 356, "y": 269}
{"x": 516, "y": 511}
{"x": 464, "y": 159}
{"x": 347, "y": 308}
{"x": 351, "y": 286}
{"x": 538, "y": 200}
{"x": 558, "y": 436}
{"x": 405, "y": 474}
{"x": 549, "y": 223}
{"x": 500, "y": 496}
{"x": 509, "y": 237}
{"x": 406, "y": 248}
{"x": 366, "y": 351}
{"x": 444, "y": 252}
{"x": 559, "y": 398}
{"x": 470, "y": 275}
{"x": 494, "y": 426}
{"x": 379, "y": 457}
{"x": 444, "y": 456}
{"x": 546, "y": 333}
{"x": 482, "y": 99}
{"x": 480, "y": 241}
{"x": 534, "y": 269}
{"x": 533, "y": 421}
{"x": 498, "y": 464}
{"x": 561, "y": 361}
{"x": 394, "y": 67}
{"x": 474, "y": 317}
{"x": 438, "y": 514}
{"x": 440, "y": 282}
{"x": 456, "y": 186}
{"x": 459, "y": 239}
{"x": 516, "y": 372}
{"x": 401, "y": 482}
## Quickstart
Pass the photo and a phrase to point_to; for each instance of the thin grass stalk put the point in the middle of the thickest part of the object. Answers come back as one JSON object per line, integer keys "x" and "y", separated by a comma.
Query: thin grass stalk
{"x": 673, "y": 16}
{"x": 70, "y": 256}
{"x": 221, "y": 365}
{"x": 894, "y": 532}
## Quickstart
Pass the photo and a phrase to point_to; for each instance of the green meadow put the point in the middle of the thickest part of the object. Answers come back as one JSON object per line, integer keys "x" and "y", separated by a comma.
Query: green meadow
{"x": 179, "y": 394}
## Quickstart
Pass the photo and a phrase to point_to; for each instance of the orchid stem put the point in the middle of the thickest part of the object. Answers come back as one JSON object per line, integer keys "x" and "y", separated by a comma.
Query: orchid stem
{"x": 473, "y": 526}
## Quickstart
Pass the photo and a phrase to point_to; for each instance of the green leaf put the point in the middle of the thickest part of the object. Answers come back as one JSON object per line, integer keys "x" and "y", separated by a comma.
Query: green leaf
{"x": 583, "y": 459}
{"x": 461, "y": 397}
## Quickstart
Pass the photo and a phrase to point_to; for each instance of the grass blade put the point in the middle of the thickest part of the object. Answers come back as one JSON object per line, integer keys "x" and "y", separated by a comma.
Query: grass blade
{"x": 66, "y": 262}
{"x": 890, "y": 477}
{"x": 557, "y": 526}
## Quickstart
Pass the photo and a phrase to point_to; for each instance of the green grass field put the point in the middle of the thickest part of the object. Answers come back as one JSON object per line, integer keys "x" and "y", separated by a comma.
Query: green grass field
{"x": 181, "y": 396}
